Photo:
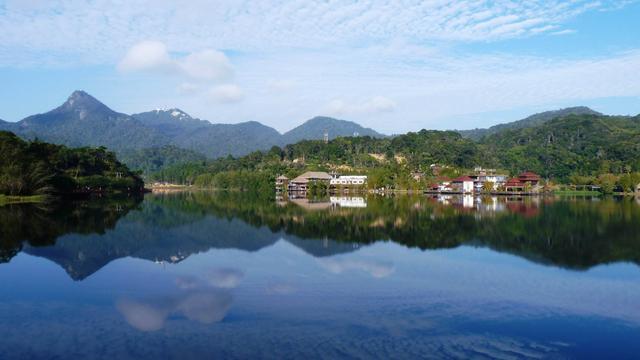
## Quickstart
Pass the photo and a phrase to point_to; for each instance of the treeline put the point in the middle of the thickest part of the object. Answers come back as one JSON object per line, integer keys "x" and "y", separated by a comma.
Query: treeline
{"x": 35, "y": 167}
{"x": 559, "y": 150}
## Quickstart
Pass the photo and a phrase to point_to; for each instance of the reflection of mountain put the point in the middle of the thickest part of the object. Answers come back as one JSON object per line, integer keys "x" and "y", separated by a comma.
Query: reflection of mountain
{"x": 40, "y": 225}
{"x": 171, "y": 227}
{"x": 163, "y": 233}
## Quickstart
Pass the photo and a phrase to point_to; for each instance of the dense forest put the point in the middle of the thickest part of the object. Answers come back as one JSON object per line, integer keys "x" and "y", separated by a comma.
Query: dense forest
{"x": 579, "y": 149}
{"x": 39, "y": 168}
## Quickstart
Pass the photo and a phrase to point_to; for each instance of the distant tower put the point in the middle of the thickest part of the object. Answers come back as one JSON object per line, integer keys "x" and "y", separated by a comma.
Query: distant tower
{"x": 326, "y": 137}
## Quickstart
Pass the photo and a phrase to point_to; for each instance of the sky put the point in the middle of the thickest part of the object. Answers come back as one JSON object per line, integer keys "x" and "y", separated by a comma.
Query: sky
{"x": 395, "y": 66}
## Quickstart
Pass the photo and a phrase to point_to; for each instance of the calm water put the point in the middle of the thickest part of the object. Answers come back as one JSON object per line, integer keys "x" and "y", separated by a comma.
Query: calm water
{"x": 194, "y": 274}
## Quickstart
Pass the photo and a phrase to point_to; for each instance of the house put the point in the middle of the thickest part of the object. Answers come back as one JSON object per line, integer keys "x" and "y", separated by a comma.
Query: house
{"x": 514, "y": 185}
{"x": 529, "y": 178}
{"x": 282, "y": 183}
{"x": 440, "y": 184}
{"x": 462, "y": 184}
{"x": 527, "y": 181}
{"x": 496, "y": 180}
{"x": 302, "y": 182}
{"x": 348, "y": 180}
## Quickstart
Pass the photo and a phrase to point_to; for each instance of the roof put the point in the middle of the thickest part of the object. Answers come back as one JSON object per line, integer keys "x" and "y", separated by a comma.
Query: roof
{"x": 513, "y": 182}
{"x": 312, "y": 175}
{"x": 529, "y": 175}
{"x": 462, "y": 179}
{"x": 282, "y": 177}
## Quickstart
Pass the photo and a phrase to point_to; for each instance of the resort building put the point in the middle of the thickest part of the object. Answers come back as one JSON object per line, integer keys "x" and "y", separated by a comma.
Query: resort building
{"x": 463, "y": 184}
{"x": 496, "y": 180}
{"x": 525, "y": 182}
{"x": 302, "y": 182}
{"x": 282, "y": 183}
{"x": 348, "y": 180}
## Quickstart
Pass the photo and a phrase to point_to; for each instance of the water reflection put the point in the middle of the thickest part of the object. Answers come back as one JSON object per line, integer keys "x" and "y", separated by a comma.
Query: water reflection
{"x": 84, "y": 237}
{"x": 203, "y": 274}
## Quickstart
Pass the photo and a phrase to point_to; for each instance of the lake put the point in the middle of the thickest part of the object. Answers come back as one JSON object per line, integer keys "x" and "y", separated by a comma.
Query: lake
{"x": 227, "y": 275}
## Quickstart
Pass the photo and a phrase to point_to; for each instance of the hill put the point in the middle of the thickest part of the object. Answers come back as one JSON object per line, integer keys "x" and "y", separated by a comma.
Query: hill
{"x": 315, "y": 128}
{"x": 575, "y": 144}
{"x": 30, "y": 168}
{"x": 212, "y": 140}
{"x": 531, "y": 121}
{"x": 150, "y": 160}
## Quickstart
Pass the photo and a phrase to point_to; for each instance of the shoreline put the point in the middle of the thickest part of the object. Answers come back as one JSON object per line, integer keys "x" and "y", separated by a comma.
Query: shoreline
{"x": 15, "y": 199}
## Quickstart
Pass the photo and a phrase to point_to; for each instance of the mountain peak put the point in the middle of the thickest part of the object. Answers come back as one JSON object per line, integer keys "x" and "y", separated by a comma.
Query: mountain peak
{"x": 81, "y": 101}
{"x": 173, "y": 113}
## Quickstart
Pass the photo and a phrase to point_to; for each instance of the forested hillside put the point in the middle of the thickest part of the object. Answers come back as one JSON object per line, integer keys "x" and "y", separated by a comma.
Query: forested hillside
{"x": 30, "y": 168}
{"x": 530, "y": 121}
{"x": 576, "y": 144}
{"x": 559, "y": 150}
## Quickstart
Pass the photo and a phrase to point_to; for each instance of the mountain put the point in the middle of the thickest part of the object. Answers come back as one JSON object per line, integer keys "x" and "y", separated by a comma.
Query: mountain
{"x": 315, "y": 128}
{"x": 212, "y": 140}
{"x": 84, "y": 121}
{"x": 575, "y": 144}
{"x": 533, "y": 120}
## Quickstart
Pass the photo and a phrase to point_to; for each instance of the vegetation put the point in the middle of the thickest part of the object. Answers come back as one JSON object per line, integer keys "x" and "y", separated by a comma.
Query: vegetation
{"x": 586, "y": 145}
{"x": 38, "y": 168}
{"x": 152, "y": 160}
{"x": 587, "y": 149}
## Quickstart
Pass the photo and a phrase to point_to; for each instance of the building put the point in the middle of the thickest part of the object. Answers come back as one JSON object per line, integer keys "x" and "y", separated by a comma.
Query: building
{"x": 462, "y": 184}
{"x": 514, "y": 185}
{"x": 441, "y": 184}
{"x": 282, "y": 183}
{"x": 496, "y": 180}
{"x": 525, "y": 182}
{"x": 529, "y": 178}
{"x": 348, "y": 180}
{"x": 302, "y": 182}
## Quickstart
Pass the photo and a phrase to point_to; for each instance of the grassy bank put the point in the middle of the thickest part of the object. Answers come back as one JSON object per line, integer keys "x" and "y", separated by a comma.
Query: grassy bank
{"x": 577, "y": 192}
{"x": 6, "y": 200}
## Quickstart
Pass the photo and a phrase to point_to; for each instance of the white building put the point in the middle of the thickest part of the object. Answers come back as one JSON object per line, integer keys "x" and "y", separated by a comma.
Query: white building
{"x": 349, "y": 180}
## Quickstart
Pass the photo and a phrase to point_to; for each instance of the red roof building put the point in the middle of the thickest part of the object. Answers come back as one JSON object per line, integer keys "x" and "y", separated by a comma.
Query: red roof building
{"x": 529, "y": 177}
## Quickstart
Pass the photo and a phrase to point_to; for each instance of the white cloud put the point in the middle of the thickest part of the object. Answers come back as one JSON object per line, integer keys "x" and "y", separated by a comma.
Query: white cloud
{"x": 188, "y": 88}
{"x": 146, "y": 55}
{"x": 376, "y": 104}
{"x": 227, "y": 93}
{"x": 207, "y": 65}
{"x": 282, "y": 85}
{"x": 106, "y": 29}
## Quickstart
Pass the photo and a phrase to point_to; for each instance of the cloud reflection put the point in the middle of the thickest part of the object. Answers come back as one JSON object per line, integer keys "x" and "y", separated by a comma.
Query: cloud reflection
{"x": 203, "y": 306}
{"x": 377, "y": 269}
{"x": 204, "y": 300}
{"x": 226, "y": 278}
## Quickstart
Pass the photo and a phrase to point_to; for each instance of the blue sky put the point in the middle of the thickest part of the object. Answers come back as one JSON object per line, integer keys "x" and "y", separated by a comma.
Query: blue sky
{"x": 395, "y": 66}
